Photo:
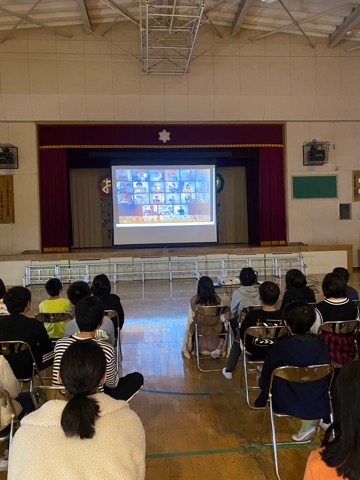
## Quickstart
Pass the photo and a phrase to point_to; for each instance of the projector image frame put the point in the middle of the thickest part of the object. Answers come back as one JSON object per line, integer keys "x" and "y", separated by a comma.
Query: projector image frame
{"x": 164, "y": 204}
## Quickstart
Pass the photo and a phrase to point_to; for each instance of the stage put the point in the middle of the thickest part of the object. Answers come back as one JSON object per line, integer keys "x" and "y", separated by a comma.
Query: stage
{"x": 179, "y": 262}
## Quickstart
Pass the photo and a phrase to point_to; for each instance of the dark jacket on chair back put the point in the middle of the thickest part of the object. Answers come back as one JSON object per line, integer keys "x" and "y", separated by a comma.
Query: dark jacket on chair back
{"x": 308, "y": 401}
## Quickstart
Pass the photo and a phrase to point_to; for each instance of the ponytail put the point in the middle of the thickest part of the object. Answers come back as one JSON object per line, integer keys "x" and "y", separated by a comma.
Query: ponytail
{"x": 79, "y": 416}
{"x": 82, "y": 367}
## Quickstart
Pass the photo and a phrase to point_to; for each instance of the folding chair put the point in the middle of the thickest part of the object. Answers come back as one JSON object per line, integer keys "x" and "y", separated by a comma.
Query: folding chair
{"x": 17, "y": 350}
{"x": 340, "y": 336}
{"x": 357, "y": 303}
{"x": 263, "y": 335}
{"x": 210, "y": 316}
{"x": 299, "y": 375}
{"x": 54, "y": 323}
{"x": 113, "y": 314}
{"x": 9, "y": 420}
{"x": 244, "y": 311}
{"x": 237, "y": 321}
{"x": 43, "y": 393}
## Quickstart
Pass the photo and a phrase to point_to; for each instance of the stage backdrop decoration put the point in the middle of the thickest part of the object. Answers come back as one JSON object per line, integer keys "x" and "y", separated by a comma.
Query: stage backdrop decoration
{"x": 220, "y": 182}
{"x": 104, "y": 185}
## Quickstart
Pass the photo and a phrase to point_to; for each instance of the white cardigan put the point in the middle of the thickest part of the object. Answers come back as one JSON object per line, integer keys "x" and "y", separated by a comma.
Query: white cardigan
{"x": 40, "y": 449}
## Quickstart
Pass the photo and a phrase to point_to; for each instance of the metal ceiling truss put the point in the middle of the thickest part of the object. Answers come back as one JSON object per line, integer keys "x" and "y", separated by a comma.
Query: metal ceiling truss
{"x": 240, "y": 16}
{"x": 351, "y": 21}
{"x": 169, "y": 28}
{"x": 168, "y": 34}
{"x": 26, "y": 18}
{"x": 305, "y": 20}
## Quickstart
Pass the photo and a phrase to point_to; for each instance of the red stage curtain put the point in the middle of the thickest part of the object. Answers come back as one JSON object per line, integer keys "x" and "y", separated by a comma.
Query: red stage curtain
{"x": 272, "y": 196}
{"x": 253, "y": 199}
{"x": 54, "y": 200}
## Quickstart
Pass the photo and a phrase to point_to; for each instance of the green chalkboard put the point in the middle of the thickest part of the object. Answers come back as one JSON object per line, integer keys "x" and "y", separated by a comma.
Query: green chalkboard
{"x": 323, "y": 186}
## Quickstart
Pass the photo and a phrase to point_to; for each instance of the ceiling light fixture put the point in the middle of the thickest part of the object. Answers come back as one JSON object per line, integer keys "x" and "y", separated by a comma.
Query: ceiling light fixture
{"x": 269, "y": 1}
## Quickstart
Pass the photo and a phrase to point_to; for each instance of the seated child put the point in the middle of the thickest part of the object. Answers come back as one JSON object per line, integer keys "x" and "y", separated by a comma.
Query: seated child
{"x": 22, "y": 401}
{"x": 336, "y": 305}
{"x": 296, "y": 288}
{"x": 89, "y": 312}
{"x": 17, "y": 326}
{"x": 351, "y": 293}
{"x": 300, "y": 349}
{"x": 91, "y": 436}
{"x": 339, "y": 457}
{"x": 54, "y": 304}
{"x": 101, "y": 288}
{"x": 269, "y": 295}
{"x": 77, "y": 291}
{"x": 246, "y": 295}
{"x": 212, "y": 342}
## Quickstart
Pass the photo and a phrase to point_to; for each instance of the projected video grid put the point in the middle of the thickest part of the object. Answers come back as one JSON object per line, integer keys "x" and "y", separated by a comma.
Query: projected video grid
{"x": 163, "y": 195}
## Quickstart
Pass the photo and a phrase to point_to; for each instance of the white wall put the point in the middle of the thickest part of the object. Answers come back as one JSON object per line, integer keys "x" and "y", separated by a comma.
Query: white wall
{"x": 316, "y": 221}
{"x": 24, "y": 234}
{"x": 46, "y": 77}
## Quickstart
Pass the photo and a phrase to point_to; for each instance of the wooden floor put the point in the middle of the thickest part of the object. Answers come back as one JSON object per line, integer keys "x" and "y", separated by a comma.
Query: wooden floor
{"x": 197, "y": 425}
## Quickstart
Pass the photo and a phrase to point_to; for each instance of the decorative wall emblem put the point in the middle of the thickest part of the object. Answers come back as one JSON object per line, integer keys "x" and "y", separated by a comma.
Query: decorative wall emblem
{"x": 164, "y": 136}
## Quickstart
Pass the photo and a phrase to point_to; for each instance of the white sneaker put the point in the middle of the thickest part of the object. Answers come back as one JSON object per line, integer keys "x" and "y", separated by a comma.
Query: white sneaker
{"x": 226, "y": 374}
{"x": 215, "y": 353}
{"x": 305, "y": 433}
{"x": 324, "y": 426}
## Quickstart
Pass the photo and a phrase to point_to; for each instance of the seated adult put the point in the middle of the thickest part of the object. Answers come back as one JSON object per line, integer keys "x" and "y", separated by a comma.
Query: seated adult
{"x": 16, "y": 326}
{"x": 300, "y": 349}
{"x": 89, "y": 312}
{"x": 245, "y": 296}
{"x": 54, "y": 304}
{"x": 91, "y": 436}
{"x": 339, "y": 456}
{"x": 3, "y": 309}
{"x": 77, "y": 291}
{"x": 212, "y": 341}
{"x": 296, "y": 288}
{"x": 269, "y": 295}
{"x": 101, "y": 288}
{"x": 351, "y": 292}
{"x": 336, "y": 305}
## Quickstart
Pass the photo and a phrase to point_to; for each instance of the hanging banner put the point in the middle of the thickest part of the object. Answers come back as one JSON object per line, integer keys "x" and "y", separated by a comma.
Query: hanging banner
{"x": 356, "y": 185}
{"x": 7, "y": 211}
